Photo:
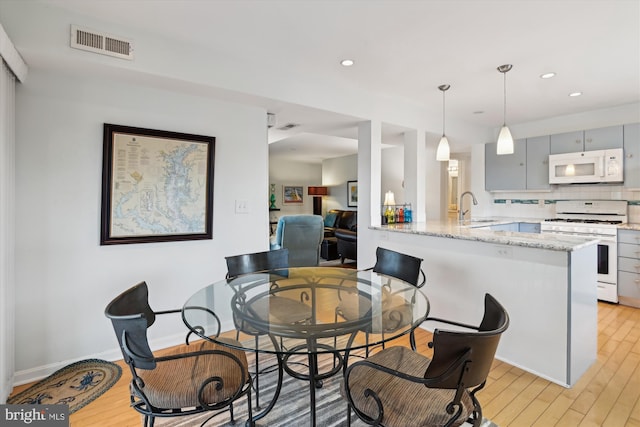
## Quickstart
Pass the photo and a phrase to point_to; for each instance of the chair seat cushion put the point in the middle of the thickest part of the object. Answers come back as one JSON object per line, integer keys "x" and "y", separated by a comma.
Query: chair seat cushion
{"x": 280, "y": 310}
{"x": 405, "y": 403}
{"x": 175, "y": 383}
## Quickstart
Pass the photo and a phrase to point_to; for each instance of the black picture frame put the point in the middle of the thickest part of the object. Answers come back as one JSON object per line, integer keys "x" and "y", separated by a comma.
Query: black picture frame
{"x": 157, "y": 186}
{"x": 352, "y": 194}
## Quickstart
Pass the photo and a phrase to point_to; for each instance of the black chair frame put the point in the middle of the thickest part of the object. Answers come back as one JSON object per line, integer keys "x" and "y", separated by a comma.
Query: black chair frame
{"x": 454, "y": 364}
{"x": 401, "y": 266}
{"x": 131, "y": 331}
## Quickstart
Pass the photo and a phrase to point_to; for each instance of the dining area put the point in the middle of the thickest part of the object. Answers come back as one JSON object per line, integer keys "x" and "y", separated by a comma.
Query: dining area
{"x": 342, "y": 340}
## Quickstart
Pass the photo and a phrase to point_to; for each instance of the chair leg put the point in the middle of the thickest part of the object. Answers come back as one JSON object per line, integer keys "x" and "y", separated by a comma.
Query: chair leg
{"x": 348, "y": 415}
{"x": 257, "y": 377}
{"x": 151, "y": 420}
{"x": 366, "y": 341}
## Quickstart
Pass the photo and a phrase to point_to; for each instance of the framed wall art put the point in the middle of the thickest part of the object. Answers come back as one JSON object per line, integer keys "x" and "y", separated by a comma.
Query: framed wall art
{"x": 292, "y": 194}
{"x": 157, "y": 186}
{"x": 352, "y": 194}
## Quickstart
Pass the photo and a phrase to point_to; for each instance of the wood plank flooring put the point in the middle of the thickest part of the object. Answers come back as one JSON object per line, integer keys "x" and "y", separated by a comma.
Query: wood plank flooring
{"x": 607, "y": 395}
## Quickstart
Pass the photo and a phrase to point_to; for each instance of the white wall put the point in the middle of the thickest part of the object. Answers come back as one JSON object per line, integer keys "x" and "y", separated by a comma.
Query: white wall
{"x": 393, "y": 173}
{"x": 335, "y": 174}
{"x": 282, "y": 172}
{"x": 64, "y": 278}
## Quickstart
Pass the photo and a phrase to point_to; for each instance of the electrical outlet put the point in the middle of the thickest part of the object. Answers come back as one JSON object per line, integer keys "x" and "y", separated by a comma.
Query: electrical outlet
{"x": 242, "y": 206}
{"x": 541, "y": 203}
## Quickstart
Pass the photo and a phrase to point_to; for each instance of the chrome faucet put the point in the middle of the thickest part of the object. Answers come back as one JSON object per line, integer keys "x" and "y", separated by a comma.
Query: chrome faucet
{"x": 475, "y": 202}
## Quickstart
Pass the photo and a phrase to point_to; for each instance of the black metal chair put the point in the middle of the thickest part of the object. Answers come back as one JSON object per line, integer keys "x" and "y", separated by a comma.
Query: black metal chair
{"x": 190, "y": 379}
{"x": 290, "y": 310}
{"x": 399, "y": 387}
{"x": 395, "y": 264}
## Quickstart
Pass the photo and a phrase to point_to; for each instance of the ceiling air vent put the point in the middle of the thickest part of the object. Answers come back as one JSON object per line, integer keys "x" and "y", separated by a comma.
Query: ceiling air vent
{"x": 97, "y": 42}
{"x": 288, "y": 126}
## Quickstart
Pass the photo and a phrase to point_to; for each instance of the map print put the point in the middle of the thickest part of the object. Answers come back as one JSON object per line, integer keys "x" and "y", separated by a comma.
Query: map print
{"x": 159, "y": 186}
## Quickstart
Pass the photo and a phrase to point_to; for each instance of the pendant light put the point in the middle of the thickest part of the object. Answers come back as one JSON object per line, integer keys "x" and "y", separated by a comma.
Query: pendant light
{"x": 505, "y": 140}
{"x": 443, "y": 152}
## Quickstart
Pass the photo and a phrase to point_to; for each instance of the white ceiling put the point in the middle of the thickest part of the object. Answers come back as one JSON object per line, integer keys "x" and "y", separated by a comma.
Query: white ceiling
{"x": 406, "y": 49}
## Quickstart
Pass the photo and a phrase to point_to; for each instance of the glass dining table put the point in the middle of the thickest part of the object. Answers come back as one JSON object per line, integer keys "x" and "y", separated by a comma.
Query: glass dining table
{"x": 306, "y": 313}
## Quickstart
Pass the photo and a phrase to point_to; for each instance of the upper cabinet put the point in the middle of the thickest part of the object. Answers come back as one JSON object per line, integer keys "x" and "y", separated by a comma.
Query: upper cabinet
{"x": 528, "y": 167}
{"x": 632, "y": 155}
{"x": 538, "y": 163}
{"x": 507, "y": 171}
{"x": 588, "y": 140}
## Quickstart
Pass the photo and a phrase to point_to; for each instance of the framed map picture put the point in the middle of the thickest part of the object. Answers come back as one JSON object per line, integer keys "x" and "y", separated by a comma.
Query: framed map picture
{"x": 157, "y": 186}
{"x": 352, "y": 193}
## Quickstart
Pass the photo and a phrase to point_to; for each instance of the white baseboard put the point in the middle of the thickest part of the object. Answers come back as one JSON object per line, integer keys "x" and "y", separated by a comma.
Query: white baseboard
{"x": 39, "y": 372}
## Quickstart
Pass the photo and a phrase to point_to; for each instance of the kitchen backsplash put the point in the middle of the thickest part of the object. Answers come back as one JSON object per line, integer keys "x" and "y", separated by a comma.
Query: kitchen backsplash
{"x": 542, "y": 204}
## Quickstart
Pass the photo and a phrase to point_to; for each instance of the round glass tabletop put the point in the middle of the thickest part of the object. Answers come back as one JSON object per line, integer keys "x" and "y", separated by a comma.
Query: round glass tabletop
{"x": 306, "y": 310}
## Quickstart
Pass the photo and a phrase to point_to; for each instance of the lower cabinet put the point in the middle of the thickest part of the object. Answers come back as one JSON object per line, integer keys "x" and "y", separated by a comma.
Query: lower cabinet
{"x": 629, "y": 267}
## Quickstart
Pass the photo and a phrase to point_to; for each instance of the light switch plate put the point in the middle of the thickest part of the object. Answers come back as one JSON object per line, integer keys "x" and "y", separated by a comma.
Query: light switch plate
{"x": 242, "y": 206}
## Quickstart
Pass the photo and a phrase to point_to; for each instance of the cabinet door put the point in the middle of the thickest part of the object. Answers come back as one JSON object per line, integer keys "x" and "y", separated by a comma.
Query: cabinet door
{"x": 505, "y": 227}
{"x": 632, "y": 155}
{"x": 569, "y": 142}
{"x": 529, "y": 227}
{"x": 629, "y": 285}
{"x": 603, "y": 138}
{"x": 538, "y": 163}
{"x": 508, "y": 171}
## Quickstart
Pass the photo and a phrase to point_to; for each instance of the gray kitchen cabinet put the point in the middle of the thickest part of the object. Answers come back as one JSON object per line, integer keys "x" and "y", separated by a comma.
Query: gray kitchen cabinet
{"x": 629, "y": 267}
{"x": 538, "y": 163}
{"x": 632, "y": 155}
{"x": 567, "y": 142}
{"x": 603, "y": 138}
{"x": 508, "y": 171}
{"x": 529, "y": 227}
{"x": 505, "y": 227}
{"x": 588, "y": 140}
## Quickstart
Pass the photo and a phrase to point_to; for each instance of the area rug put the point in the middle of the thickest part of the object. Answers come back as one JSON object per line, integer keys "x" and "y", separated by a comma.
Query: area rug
{"x": 292, "y": 407}
{"x": 76, "y": 385}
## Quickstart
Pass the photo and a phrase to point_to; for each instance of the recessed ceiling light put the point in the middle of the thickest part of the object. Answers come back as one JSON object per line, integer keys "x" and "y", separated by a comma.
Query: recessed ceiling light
{"x": 574, "y": 94}
{"x": 547, "y": 75}
{"x": 347, "y": 62}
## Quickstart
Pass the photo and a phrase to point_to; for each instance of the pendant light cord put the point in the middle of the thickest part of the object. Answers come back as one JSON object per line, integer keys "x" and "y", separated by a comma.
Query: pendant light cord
{"x": 505, "y": 99}
{"x": 443, "y": 112}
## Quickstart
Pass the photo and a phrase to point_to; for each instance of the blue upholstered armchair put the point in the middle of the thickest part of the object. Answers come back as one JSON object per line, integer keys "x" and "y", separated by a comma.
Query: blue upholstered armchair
{"x": 302, "y": 235}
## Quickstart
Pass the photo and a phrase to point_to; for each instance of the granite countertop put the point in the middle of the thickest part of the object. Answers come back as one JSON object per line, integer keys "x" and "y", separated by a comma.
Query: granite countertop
{"x": 469, "y": 231}
{"x": 630, "y": 226}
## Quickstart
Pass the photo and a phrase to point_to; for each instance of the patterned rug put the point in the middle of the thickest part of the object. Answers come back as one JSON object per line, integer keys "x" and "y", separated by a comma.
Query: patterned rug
{"x": 75, "y": 385}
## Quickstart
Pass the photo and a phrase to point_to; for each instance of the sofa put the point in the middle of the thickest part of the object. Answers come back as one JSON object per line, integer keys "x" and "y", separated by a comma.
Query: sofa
{"x": 341, "y": 227}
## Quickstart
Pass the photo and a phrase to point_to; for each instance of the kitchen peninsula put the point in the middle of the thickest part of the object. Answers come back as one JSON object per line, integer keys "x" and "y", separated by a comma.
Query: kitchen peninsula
{"x": 546, "y": 282}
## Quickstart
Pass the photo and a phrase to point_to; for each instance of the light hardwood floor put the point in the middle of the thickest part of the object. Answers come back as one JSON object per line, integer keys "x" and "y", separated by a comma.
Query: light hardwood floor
{"x": 607, "y": 395}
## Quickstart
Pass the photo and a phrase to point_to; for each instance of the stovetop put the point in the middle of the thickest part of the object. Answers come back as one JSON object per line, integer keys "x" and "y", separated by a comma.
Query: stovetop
{"x": 601, "y": 212}
{"x": 585, "y": 220}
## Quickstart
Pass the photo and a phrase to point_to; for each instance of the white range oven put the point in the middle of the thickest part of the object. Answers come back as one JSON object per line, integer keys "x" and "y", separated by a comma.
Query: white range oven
{"x": 596, "y": 219}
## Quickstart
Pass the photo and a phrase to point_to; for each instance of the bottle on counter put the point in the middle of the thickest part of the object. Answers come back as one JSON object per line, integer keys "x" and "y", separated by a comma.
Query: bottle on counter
{"x": 400, "y": 215}
{"x": 390, "y": 215}
{"x": 407, "y": 213}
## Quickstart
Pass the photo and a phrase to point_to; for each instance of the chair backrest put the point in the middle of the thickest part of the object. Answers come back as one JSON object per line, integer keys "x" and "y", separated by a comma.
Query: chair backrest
{"x": 399, "y": 265}
{"x": 131, "y": 315}
{"x": 477, "y": 349}
{"x": 302, "y": 236}
{"x": 258, "y": 261}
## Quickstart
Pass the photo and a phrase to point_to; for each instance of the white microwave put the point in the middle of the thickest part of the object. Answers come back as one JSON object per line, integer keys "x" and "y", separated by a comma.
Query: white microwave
{"x": 586, "y": 167}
